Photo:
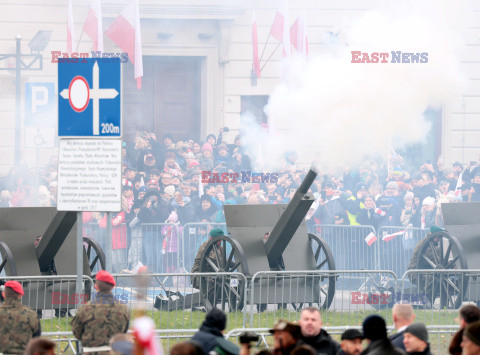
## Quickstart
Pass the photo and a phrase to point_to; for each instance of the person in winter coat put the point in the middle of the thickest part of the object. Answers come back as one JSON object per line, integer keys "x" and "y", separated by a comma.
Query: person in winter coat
{"x": 375, "y": 331}
{"x": 416, "y": 340}
{"x": 312, "y": 333}
{"x": 370, "y": 215}
{"x": 468, "y": 314}
{"x": 211, "y": 330}
{"x": 207, "y": 210}
{"x": 171, "y": 239}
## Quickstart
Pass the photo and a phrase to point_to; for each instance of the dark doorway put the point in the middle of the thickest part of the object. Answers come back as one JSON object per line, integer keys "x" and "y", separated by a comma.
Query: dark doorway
{"x": 169, "y": 100}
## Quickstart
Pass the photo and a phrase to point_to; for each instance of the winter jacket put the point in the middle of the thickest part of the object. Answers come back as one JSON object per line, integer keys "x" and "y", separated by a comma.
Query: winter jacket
{"x": 397, "y": 340}
{"x": 322, "y": 343}
{"x": 207, "y": 338}
{"x": 382, "y": 347}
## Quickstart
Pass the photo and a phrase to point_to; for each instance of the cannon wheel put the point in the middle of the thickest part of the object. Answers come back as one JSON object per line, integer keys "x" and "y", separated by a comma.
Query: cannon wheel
{"x": 95, "y": 254}
{"x": 7, "y": 265}
{"x": 223, "y": 254}
{"x": 442, "y": 251}
{"x": 324, "y": 261}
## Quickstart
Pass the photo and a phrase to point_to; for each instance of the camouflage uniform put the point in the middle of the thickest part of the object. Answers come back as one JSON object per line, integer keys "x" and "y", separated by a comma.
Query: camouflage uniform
{"x": 196, "y": 264}
{"x": 18, "y": 324}
{"x": 100, "y": 319}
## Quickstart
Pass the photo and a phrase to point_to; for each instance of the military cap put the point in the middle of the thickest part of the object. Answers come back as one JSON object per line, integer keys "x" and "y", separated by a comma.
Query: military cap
{"x": 283, "y": 325}
{"x": 105, "y": 276}
{"x": 16, "y": 286}
{"x": 434, "y": 229}
{"x": 217, "y": 232}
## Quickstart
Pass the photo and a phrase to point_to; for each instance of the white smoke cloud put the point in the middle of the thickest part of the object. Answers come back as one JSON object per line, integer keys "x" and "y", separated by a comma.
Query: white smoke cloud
{"x": 339, "y": 112}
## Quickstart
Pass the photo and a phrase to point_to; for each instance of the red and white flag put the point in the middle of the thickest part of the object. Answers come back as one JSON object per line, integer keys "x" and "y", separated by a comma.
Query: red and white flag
{"x": 70, "y": 29}
{"x": 298, "y": 34}
{"x": 256, "y": 60}
{"x": 125, "y": 33}
{"x": 371, "y": 238}
{"x": 280, "y": 29}
{"x": 389, "y": 237}
{"x": 93, "y": 25}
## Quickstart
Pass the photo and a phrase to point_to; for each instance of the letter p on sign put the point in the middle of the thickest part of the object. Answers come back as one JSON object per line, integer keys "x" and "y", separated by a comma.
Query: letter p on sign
{"x": 39, "y": 97}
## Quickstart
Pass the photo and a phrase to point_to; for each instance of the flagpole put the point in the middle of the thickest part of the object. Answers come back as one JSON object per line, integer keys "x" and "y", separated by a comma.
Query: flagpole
{"x": 271, "y": 55}
{"x": 264, "y": 47}
{"x": 80, "y": 40}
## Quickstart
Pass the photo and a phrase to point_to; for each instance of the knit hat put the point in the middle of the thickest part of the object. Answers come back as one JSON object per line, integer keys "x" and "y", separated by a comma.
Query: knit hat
{"x": 216, "y": 232}
{"x": 418, "y": 330}
{"x": 170, "y": 190}
{"x": 207, "y": 146}
{"x": 472, "y": 332}
{"x": 173, "y": 217}
{"x": 374, "y": 328}
{"x": 216, "y": 319}
{"x": 428, "y": 201}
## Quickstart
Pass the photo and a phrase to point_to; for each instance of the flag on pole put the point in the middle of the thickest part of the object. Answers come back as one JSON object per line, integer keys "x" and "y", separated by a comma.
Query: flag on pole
{"x": 256, "y": 60}
{"x": 93, "y": 25}
{"x": 389, "y": 237}
{"x": 371, "y": 238}
{"x": 70, "y": 29}
{"x": 298, "y": 34}
{"x": 280, "y": 29}
{"x": 125, "y": 33}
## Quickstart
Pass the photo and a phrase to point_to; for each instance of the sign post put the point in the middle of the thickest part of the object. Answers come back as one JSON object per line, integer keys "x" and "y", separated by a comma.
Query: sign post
{"x": 90, "y": 161}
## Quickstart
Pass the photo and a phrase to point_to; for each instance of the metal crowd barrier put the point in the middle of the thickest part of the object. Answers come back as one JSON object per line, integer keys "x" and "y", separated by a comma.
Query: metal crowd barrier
{"x": 361, "y": 293}
{"x": 349, "y": 248}
{"x": 54, "y": 298}
{"x": 396, "y": 253}
{"x": 175, "y": 303}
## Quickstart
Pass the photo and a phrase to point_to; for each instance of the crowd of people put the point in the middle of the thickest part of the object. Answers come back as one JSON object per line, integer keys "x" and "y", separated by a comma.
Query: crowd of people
{"x": 174, "y": 182}
{"x": 102, "y": 325}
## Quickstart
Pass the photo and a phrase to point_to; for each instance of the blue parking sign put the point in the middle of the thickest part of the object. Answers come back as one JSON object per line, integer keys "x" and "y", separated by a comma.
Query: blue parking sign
{"x": 40, "y": 104}
{"x": 89, "y": 98}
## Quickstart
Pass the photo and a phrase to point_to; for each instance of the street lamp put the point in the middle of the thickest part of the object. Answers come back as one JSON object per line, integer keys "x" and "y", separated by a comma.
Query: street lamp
{"x": 32, "y": 61}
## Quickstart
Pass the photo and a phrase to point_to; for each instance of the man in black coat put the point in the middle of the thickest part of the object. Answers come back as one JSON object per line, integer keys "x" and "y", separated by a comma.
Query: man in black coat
{"x": 416, "y": 339}
{"x": 210, "y": 330}
{"x": 375, "y": 331}
{"x": 312, "y": 333}
{"x": 403, "y": 316}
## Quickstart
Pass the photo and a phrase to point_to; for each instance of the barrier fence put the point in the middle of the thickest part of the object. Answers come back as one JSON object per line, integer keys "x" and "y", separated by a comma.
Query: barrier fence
{"x": 344, "y": 297}
{"x": 166, "y": 247}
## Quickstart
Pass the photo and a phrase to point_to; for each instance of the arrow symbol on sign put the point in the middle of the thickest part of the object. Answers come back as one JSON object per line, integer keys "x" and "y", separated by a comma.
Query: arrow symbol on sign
{"x": 79, "y": 95}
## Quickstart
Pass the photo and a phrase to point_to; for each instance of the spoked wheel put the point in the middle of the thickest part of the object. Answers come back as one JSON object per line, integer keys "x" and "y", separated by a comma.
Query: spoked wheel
{"x": 323, "y": 262}
{"x": 442, "y": 251}
{"x": 7, "y": 263}
{"x": 95, "y": 255}
{"x": 223, "y": 254}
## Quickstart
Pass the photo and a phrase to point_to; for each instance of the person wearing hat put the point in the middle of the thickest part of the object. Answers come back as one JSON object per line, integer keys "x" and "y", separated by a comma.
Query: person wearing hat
{"x": 375, "y": 331}
{"x": 403, "y": 316}
{"x": 121, "y": 344}
{"x": 211, "y": 330}
{"x": 286, "y": 336}
{"x": 102, "y": 317}
{"x": 312, "y": 333}
{"x": 214, "y": 233}
{"x": 471, "y": 339}
{"x": 16, "y": 319}
{"x": 351, "y": 343}
{"x": 415, "y": 339}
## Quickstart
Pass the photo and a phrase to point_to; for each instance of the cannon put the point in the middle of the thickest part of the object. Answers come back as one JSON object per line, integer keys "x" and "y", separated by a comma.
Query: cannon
{"x": 22, "y": 253}
{"x": 443, "y": 252}
{"x": 268, "y": 238}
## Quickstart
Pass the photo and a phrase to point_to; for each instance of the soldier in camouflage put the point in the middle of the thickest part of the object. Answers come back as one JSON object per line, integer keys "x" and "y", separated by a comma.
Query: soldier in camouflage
{"x": 217, "y": 232}
{"x": 101, "y": 318}
{"x": 18, "y": 323}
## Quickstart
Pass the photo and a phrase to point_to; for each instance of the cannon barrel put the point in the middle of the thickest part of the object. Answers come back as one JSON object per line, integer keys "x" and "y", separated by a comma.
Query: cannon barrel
{"x": 290, "y": 220}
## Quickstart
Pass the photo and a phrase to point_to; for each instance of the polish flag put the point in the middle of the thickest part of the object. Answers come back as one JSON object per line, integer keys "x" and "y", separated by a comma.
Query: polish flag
{"x": 371, "y": 238}
{"x": 93, "y": 25}
{"x": 125, "y": 33}
{"x": 298, "y": 34}
{"x": 389, "y": 237}
{"x": 279, "y": 28}
{"x": 70, "y": 29}
{"x": 256, "y": 60}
